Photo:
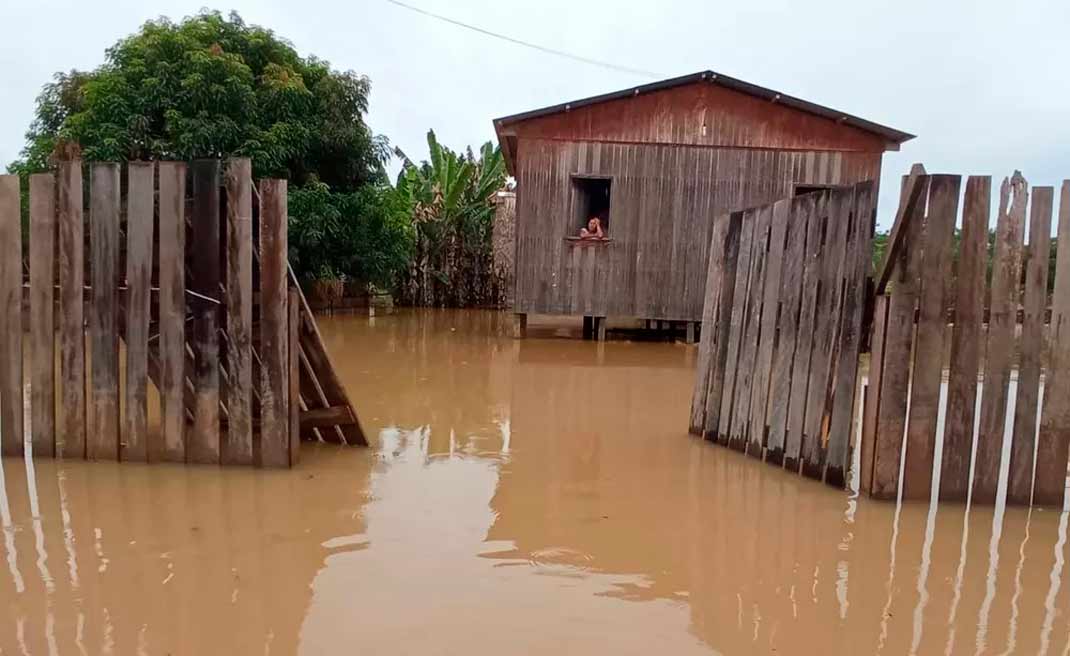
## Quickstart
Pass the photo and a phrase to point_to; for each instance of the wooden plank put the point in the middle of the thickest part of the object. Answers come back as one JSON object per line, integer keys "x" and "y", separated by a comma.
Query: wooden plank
{"x": 293, "y": 374}
{"x": 803, "y": 213}
{"x": 203, "y": 442}
{"x": 966, "y": 341}
{"x": 737, "y": 325}
{"x": 139, "y": 224}
{"x": 763, "y": 363}
{"x": 12, "y": 430}
{"x": 856, "y": 266}
{"x": 738, "y": 431}
{"x": 274, "y": 388}
{"x": 71, "y": 422}
{"x": 42, "y": 313}
{"x": 1032, "y": 340}
{"x": 871, "y": 404}
{"x": 325, "y": 417}
{"x": 800, "y": 368}
{"x": 1002, "y": 322}
{"x": 898, "y": 344}
{"x": 929, "y": 345}
{"x": 912, "y": 194}
{"x": 102, "y": 441}
{"x": 1053, "y": 443}
{"x": 830, "y": 286}
{"x": 722, "y": 282}
{"x": 237, "y": 447}
{"x": 170, "y": 445}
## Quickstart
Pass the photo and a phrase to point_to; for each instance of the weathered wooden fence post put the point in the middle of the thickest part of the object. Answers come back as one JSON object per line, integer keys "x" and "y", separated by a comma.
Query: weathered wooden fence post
{"x": 11, "y": 425}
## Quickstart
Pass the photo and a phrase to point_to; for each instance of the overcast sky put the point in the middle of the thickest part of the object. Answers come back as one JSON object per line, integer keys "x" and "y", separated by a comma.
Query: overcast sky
{"x": 985, "y": 85}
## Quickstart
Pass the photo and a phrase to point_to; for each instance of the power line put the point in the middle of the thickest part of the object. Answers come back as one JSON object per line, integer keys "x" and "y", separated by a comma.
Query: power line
{"x": 527, "y": 44}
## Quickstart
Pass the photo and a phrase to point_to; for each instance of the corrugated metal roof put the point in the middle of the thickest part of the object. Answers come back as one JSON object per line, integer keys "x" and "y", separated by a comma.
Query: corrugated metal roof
{"x": 890, "y": 134}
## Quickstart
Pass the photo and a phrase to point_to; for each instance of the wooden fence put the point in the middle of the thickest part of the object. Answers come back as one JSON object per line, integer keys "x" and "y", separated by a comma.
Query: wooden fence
{"x": 192, "y": 293}
{"x": 1008, "y": 373}
{"x": 782, "y": 328}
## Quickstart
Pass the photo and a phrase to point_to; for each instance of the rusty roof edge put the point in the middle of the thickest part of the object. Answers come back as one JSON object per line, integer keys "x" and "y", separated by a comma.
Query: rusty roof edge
{"x": 890, "y": 134}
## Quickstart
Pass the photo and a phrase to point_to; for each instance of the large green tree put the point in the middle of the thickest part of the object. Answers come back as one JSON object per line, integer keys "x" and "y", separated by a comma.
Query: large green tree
{"x": 213, "y": 86}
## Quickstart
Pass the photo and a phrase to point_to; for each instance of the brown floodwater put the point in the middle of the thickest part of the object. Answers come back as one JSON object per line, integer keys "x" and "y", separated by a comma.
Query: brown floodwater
{"x": 520, "y": 497}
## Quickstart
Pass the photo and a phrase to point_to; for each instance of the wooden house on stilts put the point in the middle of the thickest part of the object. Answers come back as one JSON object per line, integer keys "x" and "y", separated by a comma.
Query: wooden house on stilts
{"x": 655, "y": 164}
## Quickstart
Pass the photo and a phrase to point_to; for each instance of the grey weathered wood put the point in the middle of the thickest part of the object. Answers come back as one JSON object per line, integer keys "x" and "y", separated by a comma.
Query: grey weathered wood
{"x": 1032, "y": 340}
{"x": 139, "y": 227}
{"x": 779, "y": 220}
{"x": 42, "y": 317}
{"x": 803, "y": 213}
{"x": 1053, "y": 442}
{"x": 737, "y": 326}
{"x": 203, "y": 441}
{"x": 804, "y": 340}
{"x": 102, "y": 441}
{"x": 825, "y": 331}
{"x": 738, "y": 430}
{"x": 966, "y": 344}
{"x": 929, "y": 345}
{"x": 170, "y": 444}
{"x": 274, "y": 387}
{"x": 856, "y": 266}
{"x": 237, "y": 447}
{"x": 71, "y": 421}
{"x": 12, "y": 432}
{"x": 871, "y": 406}
{"x": 912, "y": 194}
{"x": 720, "y": 291}
{"x": 293, "y": 373}
{"x": 1002, "y": 321}
{"x": 898, "y": 342}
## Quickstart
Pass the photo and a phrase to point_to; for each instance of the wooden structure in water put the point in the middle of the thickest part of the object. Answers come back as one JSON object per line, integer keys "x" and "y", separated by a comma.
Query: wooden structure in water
{"x": 1007, "y": 406}
{"x": 657, "y": 163}
{"x": 784, "y": 320}
{"x": 191, "y": 292}
{"x": 782, "y": 326}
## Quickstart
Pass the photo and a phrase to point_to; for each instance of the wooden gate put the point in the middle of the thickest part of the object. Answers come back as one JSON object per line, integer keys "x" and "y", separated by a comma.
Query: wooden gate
{"x": 782, "y": 328}
{"x": 193, "y": 293}
{"x": 967, "y": 355}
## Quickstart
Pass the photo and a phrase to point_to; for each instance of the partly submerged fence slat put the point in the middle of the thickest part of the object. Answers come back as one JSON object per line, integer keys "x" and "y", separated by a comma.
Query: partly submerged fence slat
{"x": 1053, "y": 442}
{"x": 740, "y": 297}
{"x": 237, "y": 445}
{"x": 203, "y": 442}
{"x": 103, "y": 439}
{"x": 71, "y": 436}
{"x": 11, "y": 418}
{"x": 966, "y": 341}
{"x": 723, "y": 291}
{"x": 934, "y": 273}
{"x": 752, "y": 327}
{"x": 42, "y": 303}
{"x": 872, "y": 402}
{"x": 803, "y": 212}
{"x": 274, "y": 390}
{"x": 1006, "y": 267}
{"x": 293, "y": 373}
{"x": 139, "y": 223}
{"x": 1034, "y": 304}
{"x": 171, "y": 443}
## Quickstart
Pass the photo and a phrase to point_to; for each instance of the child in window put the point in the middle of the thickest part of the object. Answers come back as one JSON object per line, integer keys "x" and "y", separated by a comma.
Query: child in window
{"x": 593, "y": 229}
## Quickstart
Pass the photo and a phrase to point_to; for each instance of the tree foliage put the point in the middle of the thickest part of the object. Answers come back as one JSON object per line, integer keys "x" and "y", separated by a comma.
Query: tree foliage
{"x": 213, "y": 86}
{"x": 452, "y": 210}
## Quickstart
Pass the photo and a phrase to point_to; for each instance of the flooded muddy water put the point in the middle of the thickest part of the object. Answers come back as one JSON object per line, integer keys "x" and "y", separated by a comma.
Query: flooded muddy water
{"x": 520, "y": 497}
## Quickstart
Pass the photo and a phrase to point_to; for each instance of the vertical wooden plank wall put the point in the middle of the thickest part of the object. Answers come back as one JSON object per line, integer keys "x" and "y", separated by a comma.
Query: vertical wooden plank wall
{"x": 203, "y": 441}
{"x": 274, "y": 388}
{"x": 103, "y": 439}
{"x": 11, "y": 418}
{"x": 70, "y": 439}
{"x": 139, "y": 227}
{"x": 1037, "y": 354}
{"x": 42, "y": 319}
{"x": 170, "y": 445}
{"x": 238, "y": 438}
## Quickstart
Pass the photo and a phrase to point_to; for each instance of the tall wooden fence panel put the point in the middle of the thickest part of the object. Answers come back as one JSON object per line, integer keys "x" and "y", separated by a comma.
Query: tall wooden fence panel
{"x": 782, "y": 327}
{"x": 952, "y": 311}
{"x": 181, "y": 293}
